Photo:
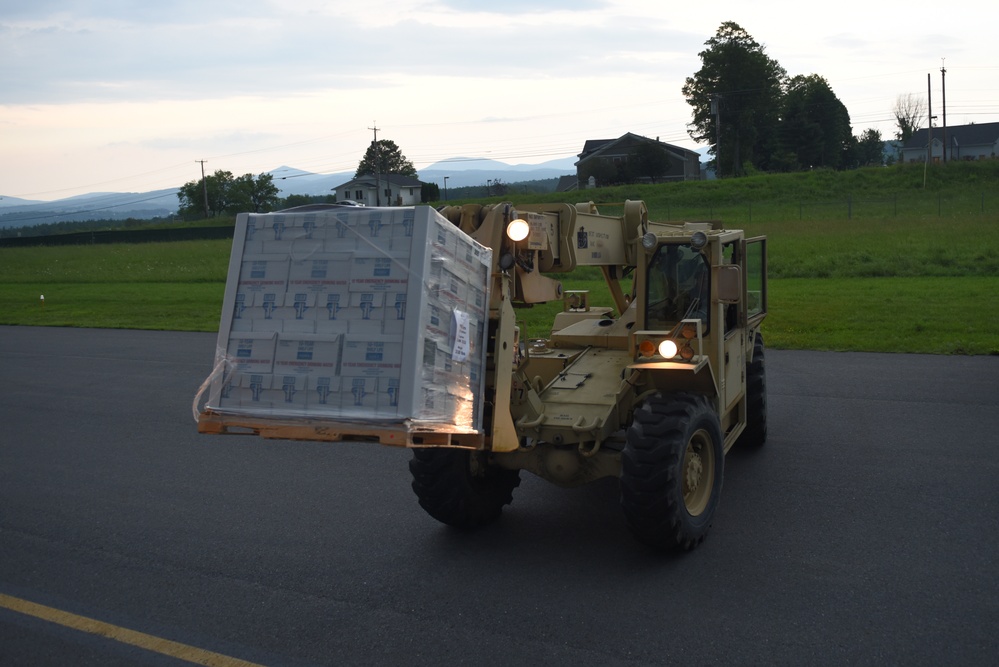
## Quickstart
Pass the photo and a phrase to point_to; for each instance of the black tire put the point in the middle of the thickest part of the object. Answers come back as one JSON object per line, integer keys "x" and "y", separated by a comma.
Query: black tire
{"x": 755, "y": 434}
{"x": 671, "y": 470}
{"x": 457, "y": 487}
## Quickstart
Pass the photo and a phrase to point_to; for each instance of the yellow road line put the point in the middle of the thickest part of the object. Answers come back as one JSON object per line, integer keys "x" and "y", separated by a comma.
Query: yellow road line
{"x": 124, "y": 635}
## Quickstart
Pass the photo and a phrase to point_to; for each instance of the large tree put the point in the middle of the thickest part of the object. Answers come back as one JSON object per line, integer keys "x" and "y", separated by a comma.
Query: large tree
{"x": 384, "y": 157}
{"x": 227, "y": 194}
{"x": 814, "y": 125}
{"x": 735, "y": 98}
{"x": 909, "y": 112}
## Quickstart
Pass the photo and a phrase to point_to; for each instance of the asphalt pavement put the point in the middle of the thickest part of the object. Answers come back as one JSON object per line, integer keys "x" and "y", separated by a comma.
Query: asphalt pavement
{"x": 864, "y": 533}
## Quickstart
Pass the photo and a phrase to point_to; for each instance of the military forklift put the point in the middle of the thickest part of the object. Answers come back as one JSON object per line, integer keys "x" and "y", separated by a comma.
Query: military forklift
{"x": 652, "y": 389}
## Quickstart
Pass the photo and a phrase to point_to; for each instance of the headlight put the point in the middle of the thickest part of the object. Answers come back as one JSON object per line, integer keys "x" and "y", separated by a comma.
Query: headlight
{"x": 667, "y": 349}
{"x": 518, "y": 230}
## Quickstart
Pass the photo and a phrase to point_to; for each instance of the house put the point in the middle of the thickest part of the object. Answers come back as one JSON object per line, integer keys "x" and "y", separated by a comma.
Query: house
{"x": 978, "y": 141}
{"x": 623, "y": 160}
{"x": 395, "y": 190}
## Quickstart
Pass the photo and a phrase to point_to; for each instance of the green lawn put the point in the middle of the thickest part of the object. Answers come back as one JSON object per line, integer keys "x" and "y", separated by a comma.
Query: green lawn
{"x": 902, "y": 269}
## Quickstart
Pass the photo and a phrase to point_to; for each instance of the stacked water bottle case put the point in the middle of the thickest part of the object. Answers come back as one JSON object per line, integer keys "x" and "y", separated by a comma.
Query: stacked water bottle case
{"x": 360, "y": 314}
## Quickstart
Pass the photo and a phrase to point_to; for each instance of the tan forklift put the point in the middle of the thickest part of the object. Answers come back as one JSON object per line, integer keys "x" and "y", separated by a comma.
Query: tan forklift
{"x": 653, "y": 389}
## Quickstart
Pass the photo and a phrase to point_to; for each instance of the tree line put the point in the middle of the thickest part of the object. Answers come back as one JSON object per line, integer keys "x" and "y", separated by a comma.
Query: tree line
{"x": 756, "y": 117}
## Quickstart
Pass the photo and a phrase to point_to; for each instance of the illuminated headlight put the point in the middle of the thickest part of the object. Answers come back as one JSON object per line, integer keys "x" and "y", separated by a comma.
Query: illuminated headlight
{"x": 649, "y": 241}
{"x": 667, "y": 349}
{"x": 518, "y": 230}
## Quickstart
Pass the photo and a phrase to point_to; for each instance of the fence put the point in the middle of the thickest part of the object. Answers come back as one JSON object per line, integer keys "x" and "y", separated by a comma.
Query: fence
{"x": 163, "y": 235}
{"x": 916, "y": 205}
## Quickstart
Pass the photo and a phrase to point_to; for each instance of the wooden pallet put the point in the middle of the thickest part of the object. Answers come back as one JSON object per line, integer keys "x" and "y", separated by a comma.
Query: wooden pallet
{"x": 404, "y": 434}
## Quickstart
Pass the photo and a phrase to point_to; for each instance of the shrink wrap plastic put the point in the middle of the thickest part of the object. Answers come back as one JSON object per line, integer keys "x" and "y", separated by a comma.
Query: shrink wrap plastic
{"x": 373, "y": 315}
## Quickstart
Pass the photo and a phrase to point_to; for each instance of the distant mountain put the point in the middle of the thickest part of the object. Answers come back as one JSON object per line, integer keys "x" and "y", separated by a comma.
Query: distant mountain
{"x": 460, "y": 172}
{"x": 93, "y": 206}
{"x": 486, "y": 164}
{"x": 291, "y": 181}
{"x": 6, "y": 202}
{"x": 470, "y": 171}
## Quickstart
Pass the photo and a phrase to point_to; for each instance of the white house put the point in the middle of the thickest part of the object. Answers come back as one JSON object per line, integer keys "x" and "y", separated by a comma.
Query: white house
{"x": 384, "y": 190}
{"x": 979, "y": 141}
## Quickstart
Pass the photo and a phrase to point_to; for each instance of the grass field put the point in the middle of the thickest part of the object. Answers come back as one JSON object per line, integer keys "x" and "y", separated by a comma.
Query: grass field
{"x": 918, "y": 282}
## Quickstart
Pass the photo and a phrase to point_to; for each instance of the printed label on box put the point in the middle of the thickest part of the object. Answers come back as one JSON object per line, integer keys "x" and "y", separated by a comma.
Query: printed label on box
{"x": 252, "y": 353}
{"x": 371, "y": 355}
{"x": 307, "y": 354}
{"x": 263, "y": 274}
{"x": 380, "y": 273}
{"x": 320, "y": 273}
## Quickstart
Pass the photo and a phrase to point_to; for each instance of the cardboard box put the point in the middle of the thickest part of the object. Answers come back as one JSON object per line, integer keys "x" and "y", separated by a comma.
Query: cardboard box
{"x": 324, "y": 395}
{"x": 319, "y": 273}
{"x": 290, "y": 235}
{"x": 252, "y": 352}
{"x": 307, "y": 354}
{"x": 263, "y": 273}
{"x": 371, "y": 356}
{"x": 380, "y": 272}
{"x": 374, "y": 230}
{"x": 341, "y": 233}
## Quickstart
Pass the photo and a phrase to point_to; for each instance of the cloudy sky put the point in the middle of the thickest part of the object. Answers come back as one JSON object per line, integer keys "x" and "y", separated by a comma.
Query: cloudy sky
{"x": 127, "y": 95}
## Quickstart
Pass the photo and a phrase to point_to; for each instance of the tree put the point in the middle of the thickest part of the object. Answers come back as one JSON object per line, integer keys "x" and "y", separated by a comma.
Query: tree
{"x": 814, "y": 126}
{"x": 741, "y": 83}
{"x": 384, "y": 157}
{"x": 192, "y": 195}
{"x": 292, "y": 201}
{"x": 909, "y": 112}
{"x": 227, "y": 194}
{"x": 430, "y": 192}
{"x": 260, "y": 192}
{"x": 869, "y": 149}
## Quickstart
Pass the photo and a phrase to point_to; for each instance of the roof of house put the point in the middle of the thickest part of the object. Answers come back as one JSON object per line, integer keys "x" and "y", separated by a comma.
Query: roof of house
{"x": 393, "y": 179}
{"x": 977, "y": 134}
{"x": 593, "y": 146}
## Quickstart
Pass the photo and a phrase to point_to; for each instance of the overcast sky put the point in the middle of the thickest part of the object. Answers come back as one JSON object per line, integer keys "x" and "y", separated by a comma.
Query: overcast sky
{"x": 126, "y": 95}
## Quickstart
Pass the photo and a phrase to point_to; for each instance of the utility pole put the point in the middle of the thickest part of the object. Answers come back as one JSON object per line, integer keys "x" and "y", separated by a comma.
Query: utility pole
{"x": 378, "y": 159}
{"x": 929, "y": 120}
{"x": 943, "y": 86}
{"x": 204, "y": 185}
{"x": 716, "y": 110}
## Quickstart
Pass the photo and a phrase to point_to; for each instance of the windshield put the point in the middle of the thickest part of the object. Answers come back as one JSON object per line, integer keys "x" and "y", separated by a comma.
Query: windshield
{"x": 678, "y": 287}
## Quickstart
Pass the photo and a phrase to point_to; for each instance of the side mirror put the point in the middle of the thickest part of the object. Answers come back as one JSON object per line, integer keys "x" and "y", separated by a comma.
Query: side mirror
{"x": 729, "y": 288}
